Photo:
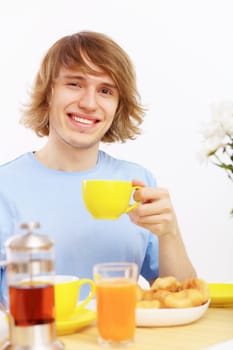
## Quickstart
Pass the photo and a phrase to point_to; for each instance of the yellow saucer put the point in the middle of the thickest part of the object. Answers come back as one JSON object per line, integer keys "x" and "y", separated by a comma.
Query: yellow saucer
{"x": 76, "y": 321}
{"x": 221, "y": 294}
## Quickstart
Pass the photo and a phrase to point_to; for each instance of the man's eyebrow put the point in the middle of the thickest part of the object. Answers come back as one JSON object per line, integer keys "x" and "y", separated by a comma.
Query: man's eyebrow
{"x": 80, "y": 77}
{"x": 72, "y": 76}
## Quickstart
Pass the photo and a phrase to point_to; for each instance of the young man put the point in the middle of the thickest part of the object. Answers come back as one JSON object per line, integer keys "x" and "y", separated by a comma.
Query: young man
{"x": 84, "y": 94}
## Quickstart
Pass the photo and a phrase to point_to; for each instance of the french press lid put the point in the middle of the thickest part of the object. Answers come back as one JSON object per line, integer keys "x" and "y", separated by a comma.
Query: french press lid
{"x": 30, "y": 240}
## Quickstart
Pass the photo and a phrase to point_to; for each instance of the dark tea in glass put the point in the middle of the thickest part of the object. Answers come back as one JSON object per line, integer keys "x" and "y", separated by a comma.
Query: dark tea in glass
{"x": 32, "y": 304}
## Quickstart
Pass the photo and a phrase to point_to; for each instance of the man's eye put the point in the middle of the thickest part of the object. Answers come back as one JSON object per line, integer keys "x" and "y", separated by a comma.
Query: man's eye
{"x": 106, "y": 91}
{"x": 73, "y": 84}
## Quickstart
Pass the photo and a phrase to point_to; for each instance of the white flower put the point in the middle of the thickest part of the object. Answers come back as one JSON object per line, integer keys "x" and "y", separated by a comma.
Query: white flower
{"x": 212, "y": 144}
{"x": 213, "y": 137}
{"x": 213, "y": 129}
{"x": 223, "y": 116}
{"x": 217, "y": 138}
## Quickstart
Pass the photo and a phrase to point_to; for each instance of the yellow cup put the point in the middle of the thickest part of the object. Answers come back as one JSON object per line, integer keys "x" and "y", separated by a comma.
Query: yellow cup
{"x": 108, "y": 199}
{"x": 67, "y": 295}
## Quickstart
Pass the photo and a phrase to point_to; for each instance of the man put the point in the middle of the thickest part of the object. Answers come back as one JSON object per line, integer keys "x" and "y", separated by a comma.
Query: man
{"x": 84, "y": 94}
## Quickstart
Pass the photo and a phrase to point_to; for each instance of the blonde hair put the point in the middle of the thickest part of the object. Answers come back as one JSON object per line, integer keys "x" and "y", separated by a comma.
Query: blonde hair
{"x": 102, "y": 51}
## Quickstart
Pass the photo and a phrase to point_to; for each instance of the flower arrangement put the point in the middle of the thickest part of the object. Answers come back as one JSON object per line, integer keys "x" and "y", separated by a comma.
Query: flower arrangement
{"x": 217, "y": 145}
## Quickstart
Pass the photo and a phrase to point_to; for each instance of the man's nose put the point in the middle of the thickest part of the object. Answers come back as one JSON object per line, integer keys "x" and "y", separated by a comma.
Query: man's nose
{"x": 88, "y": 99}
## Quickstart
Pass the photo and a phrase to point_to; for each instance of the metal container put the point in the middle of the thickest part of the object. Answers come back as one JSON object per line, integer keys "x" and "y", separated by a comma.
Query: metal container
{"x": 30, "y": 277}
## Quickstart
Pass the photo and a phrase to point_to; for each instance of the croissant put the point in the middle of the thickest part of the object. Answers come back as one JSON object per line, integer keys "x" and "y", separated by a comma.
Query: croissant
{"x": 168, "y": 292}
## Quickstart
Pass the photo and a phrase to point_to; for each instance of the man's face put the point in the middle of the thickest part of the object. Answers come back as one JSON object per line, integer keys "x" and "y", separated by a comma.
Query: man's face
{"x": 82, "y": 108}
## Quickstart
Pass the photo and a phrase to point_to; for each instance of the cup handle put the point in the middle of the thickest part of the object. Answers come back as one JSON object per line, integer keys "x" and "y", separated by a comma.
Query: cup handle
{"x": 132, "y": 206}
{"x": 91, "y": 293}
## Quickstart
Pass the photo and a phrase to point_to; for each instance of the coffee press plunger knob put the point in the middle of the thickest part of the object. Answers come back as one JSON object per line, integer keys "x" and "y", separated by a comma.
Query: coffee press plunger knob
{"x": 30, "y": 226}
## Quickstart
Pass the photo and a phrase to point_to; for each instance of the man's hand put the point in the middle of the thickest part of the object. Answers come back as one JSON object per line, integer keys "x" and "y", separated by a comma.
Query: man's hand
{"x": 155, "y": 212}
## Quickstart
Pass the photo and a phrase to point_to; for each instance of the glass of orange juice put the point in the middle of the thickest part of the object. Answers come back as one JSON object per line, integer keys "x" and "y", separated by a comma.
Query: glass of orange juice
{"x": 116, "y": 289}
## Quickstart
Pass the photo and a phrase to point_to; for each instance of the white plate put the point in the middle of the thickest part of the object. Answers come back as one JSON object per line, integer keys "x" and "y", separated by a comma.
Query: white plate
{"x": 169, "y": 317}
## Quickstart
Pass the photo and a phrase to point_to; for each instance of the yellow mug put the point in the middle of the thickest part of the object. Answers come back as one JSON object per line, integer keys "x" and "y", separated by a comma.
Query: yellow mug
{"x": 108, "y": 199}
{"x": 67, "y": 295}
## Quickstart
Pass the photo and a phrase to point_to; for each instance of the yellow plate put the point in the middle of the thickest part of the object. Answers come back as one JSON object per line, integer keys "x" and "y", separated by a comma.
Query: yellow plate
{"x": 76, "y": 321}
{"x": 221, "y": 294}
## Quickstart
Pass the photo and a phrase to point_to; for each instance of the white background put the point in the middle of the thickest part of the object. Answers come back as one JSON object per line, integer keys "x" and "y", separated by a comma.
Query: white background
{"x": 183, "y": 54}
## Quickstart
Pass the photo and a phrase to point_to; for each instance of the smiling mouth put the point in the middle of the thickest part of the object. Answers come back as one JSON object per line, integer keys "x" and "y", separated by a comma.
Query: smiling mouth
{"x": 82, "y": 120}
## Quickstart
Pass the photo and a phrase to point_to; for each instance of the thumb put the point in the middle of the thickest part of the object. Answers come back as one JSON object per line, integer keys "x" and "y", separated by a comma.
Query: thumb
{"x": 136, "y": 182}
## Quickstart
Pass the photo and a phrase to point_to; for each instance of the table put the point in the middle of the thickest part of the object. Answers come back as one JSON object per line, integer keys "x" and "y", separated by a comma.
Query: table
{"x": 214, "y": 327}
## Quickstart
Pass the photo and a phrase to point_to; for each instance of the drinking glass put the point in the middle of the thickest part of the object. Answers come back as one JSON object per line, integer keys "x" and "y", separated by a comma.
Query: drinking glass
{"x": 116, "y": 290}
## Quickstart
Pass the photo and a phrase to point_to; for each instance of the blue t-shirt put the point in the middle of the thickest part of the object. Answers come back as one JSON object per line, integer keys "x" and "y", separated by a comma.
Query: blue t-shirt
{"x": 33, "y": 192}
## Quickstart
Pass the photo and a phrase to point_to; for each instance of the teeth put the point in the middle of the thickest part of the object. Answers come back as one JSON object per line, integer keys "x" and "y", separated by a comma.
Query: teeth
{"x": 82, "y": 120}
